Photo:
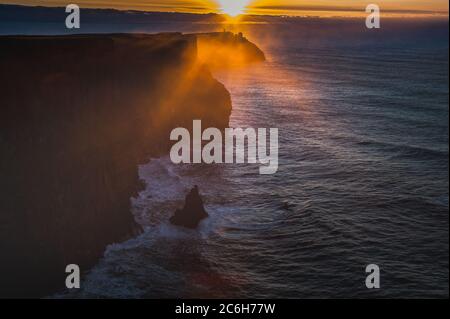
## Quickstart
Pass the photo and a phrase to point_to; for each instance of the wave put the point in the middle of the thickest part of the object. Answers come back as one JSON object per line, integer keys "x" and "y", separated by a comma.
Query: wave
{"x": 407, "y": 151}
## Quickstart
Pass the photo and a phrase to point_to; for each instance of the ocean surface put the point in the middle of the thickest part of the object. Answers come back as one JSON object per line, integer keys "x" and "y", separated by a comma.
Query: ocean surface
{"x": 363, "y": 126}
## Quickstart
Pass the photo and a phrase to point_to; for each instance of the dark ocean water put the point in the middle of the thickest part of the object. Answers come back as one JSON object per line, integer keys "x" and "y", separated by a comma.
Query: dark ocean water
{"x": 363, "y": 121}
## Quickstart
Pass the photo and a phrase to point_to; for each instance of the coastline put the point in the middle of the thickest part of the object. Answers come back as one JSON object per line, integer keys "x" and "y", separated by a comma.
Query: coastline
{"x": 99, "y": 106}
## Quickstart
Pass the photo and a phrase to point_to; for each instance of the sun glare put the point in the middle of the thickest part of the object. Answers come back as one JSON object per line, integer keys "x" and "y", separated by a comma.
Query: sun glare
{"x": 233, "y": 7}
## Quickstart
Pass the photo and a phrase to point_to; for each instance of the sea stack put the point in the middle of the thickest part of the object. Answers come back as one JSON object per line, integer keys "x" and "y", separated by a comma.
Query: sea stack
{"x": 193, "y": 211}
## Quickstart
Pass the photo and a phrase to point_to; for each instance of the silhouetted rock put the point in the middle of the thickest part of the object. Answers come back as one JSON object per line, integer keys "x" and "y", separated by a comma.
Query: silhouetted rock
{"x": 192, "y": 213}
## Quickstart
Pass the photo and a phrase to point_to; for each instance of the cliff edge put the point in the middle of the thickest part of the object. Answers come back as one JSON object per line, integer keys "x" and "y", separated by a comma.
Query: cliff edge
{"x": 226, "y": 49}
{"x": 78, "y": 114}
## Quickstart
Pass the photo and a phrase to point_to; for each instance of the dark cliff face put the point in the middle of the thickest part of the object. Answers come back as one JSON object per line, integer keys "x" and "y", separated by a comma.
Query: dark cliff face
{"x": 77, "y": 116}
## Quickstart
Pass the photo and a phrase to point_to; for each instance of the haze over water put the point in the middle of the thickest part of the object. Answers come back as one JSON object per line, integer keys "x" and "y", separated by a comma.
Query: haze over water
{"x": 363, "y": 122}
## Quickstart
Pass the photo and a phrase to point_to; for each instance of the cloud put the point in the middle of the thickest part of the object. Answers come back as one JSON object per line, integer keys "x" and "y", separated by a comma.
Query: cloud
{"x": 289, "y": 8}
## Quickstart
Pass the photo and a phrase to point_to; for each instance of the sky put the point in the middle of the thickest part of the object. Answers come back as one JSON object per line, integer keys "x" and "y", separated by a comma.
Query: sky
{"x": 273, "y": 7}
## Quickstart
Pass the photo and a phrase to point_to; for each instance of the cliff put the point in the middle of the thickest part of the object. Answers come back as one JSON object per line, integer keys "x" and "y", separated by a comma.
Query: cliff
{"x": 78, "y": 114}
{"x": 226, "y": 49}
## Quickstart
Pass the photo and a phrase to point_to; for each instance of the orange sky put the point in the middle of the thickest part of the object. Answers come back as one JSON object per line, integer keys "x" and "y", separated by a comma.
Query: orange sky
{"x": 279, "y": 7}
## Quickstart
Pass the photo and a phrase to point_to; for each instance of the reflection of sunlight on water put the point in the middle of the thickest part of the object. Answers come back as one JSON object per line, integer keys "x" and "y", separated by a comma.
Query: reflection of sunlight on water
{"x": 286, "y": 92}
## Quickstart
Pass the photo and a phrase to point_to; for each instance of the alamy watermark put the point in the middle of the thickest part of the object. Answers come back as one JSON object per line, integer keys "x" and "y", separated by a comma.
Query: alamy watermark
{"x": 373, "y": 20}
{"x": 235, "y": 145}
{"x": 73, "y": 279}
{"x": 373, "y": 277}
{"x": 73, "y": 19}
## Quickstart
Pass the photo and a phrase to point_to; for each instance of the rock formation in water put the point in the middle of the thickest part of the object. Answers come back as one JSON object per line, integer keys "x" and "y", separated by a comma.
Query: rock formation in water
{"x": 192, "y": 213}
{"x": 78, "y": 114}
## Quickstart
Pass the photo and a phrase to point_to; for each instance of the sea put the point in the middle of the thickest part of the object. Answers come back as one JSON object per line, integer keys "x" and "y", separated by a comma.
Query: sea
{"x": 363, "y": 173}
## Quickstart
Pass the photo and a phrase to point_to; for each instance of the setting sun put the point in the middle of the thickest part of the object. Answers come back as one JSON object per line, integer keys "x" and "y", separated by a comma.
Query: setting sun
{"x": 233, "y": 7}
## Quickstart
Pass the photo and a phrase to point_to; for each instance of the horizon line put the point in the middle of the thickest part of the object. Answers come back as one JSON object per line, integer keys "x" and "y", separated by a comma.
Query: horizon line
{"x": 391, "y": 13}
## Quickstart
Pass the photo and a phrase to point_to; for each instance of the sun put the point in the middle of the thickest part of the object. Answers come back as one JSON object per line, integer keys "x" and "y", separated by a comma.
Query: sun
{"x": 233, "y": 7}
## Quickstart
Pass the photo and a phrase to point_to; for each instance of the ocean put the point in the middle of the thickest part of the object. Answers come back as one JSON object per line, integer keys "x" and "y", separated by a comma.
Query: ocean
{"x": 363, "y": 127}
